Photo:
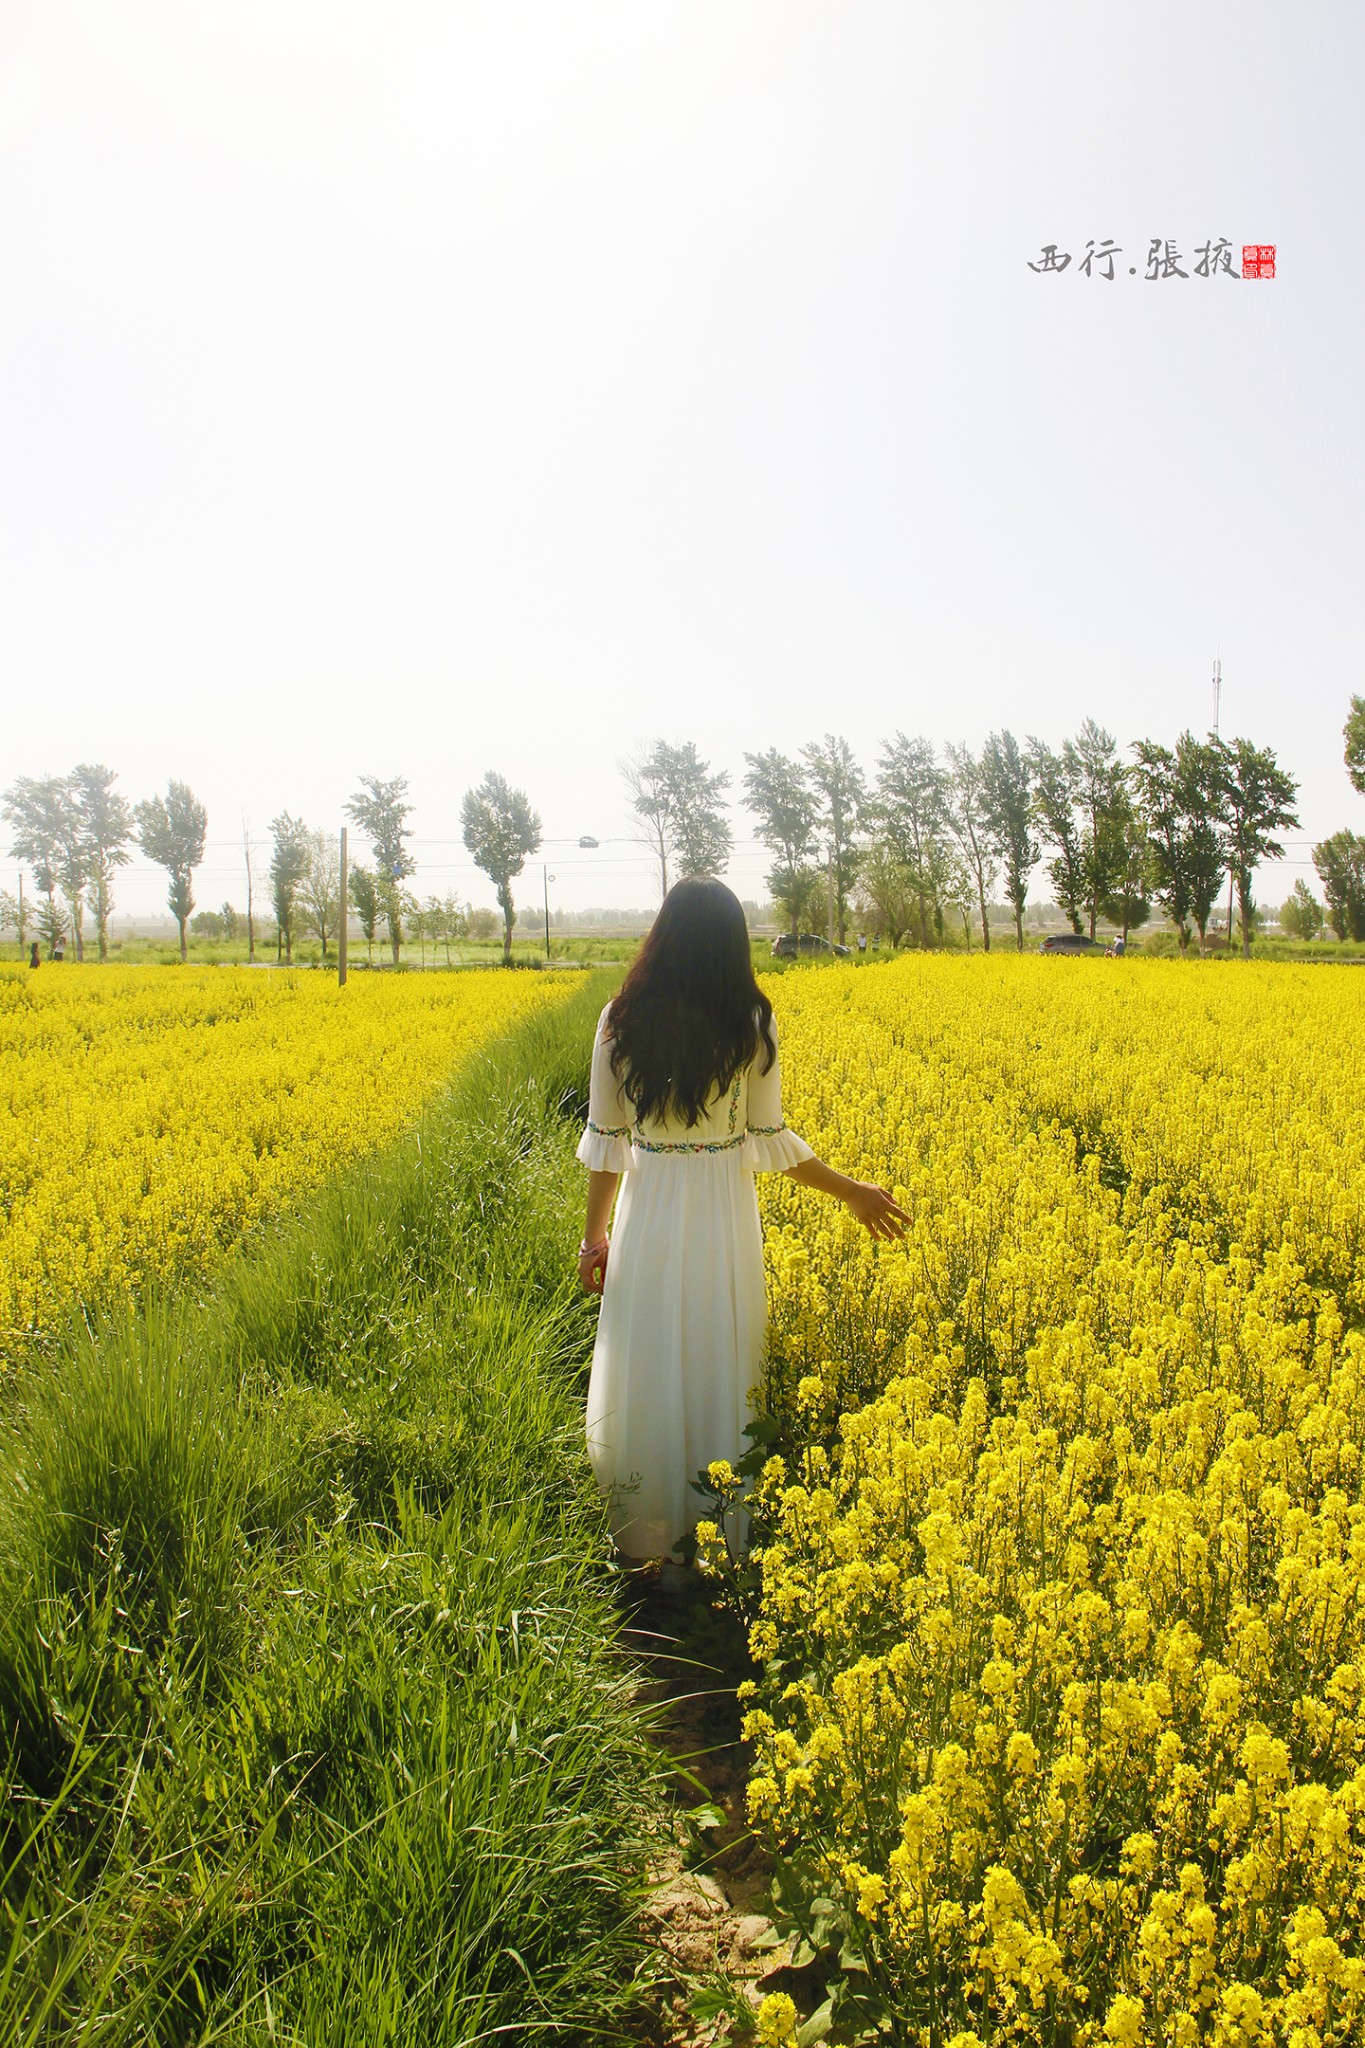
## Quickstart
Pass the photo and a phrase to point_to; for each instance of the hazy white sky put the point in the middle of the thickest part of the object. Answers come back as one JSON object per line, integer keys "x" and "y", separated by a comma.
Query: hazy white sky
{"x": 421, "y": 389}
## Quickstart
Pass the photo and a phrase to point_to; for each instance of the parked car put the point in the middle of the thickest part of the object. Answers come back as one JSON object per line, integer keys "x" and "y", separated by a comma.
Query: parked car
{"x": 785, "y": 947}
{"x": 1070, "y": 942}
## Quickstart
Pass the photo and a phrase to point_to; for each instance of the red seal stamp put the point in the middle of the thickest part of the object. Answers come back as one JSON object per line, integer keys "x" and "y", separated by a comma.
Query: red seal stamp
{"x": 1258, "y": 259}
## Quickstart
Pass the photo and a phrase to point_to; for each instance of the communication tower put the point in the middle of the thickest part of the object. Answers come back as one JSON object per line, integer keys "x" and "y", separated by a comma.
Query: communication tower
{"x": 1217, "y": 690}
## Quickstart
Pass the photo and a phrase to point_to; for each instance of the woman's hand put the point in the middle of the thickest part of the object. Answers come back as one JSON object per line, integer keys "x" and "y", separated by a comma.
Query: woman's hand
{"x": 875, "y": 1209}
{"x": 872, "y": 1205}
{"x": 592, "y": 1266}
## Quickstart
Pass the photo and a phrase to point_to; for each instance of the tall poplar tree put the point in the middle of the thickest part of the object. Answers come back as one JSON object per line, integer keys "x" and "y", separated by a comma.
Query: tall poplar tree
{"x": 1179, "y": 794}
{"x": 172, "y": 831}
{"x": 1354, "y": 735}
{"x": 840, "y": 790}
{"x": 381, "y": 811}
{"x": 73, "y": 863}
{"x": 35, "y": 809}
{"x": 1054, "y": 801}
{"x": 288, "y": 866}
{"x": 1258, "y": 801}
{"x": 969, "y": 819}
{"x": 1009, "y": 815}
{"x": 911, "y": 810}
{"x": 780, "y": 796}
{"x": 1198, "y": 795}
{"x": 320, "y": 886}
{"x": 106, "y": 826}
{"x": 1127, "y": 901}
{"x": 1099, "y": 792}
{"x": 679, "y": 810}
{"x": 500, "y": 830}
{"x": 365, "y": 903}
{"x": 1156, "y": 783}
{"x": 1340, "y": 862}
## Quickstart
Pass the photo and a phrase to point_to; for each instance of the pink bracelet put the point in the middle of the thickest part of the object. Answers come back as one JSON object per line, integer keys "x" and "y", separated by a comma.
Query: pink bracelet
{"x": 603, "y": 1244}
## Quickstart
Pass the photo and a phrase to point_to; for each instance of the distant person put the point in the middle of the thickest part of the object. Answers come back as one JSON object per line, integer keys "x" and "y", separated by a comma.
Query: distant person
{"x": 57, "y": 953}
{"x": 685, "y": 1104}
{"x": 862, "y": 942}
{"x": 33, "y": 954}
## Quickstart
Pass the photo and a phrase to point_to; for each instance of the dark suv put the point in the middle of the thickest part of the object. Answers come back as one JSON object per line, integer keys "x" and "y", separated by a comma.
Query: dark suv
{"x": 785, "y": 947}
{"x": 1071, "y": 942}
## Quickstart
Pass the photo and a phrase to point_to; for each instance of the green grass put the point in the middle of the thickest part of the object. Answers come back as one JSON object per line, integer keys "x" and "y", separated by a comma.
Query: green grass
{"x": 315, "y": 1728}
{"x": 528, "y": 950}
{"x": 1163, "y": 944}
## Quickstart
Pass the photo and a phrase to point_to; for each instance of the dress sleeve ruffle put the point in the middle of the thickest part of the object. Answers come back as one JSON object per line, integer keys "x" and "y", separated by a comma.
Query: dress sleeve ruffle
{"x": 605, "y": 1145}
{"x": 605, "y": 1151}
{"x": 772, "y": 1151}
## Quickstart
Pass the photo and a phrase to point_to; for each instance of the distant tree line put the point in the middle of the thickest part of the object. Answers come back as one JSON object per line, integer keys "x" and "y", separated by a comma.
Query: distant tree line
{"x": 929, "y": 836}
{"x": 924, "y": 838}
{"x": 74, "y": 832}
{"x": 500, "y": 831}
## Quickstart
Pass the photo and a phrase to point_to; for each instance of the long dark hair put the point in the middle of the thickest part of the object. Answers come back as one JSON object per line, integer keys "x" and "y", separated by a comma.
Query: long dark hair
{"x": 689, "y": 1014}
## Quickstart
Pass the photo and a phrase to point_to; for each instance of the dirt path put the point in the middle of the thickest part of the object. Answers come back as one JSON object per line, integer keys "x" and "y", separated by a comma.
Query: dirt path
{"x": 706, "y": 1911}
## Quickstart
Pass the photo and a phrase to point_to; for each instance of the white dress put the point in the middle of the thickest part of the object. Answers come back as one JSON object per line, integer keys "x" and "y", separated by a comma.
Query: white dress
{"x": 680, "y": 1337}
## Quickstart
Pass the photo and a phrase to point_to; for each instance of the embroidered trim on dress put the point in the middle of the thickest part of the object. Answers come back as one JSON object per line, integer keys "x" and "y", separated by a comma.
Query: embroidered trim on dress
{"x": 715, "y": 1145}
{"x": 766, "y": 1130}
{"x": 608, "y": 1130}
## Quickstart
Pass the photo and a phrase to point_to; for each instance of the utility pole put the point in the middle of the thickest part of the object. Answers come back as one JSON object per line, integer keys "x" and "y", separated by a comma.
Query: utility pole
{"x": 1217, "y": 706}
{"x": 341, "y": 926}
{"x": 21, "y": 910}
{"x": 546, "y": 880}
{"x": 250, "y": 906}
{"x": 830, "y": 880}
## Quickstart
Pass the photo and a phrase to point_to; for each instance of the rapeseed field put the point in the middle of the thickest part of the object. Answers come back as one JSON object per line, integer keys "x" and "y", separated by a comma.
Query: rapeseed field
{"x": 1060, "y": 1736}
{"x": 149, "y": 1119}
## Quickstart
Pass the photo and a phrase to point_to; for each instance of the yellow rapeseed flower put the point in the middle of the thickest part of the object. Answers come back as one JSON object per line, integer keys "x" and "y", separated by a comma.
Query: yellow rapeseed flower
{"x": 1066, "y": 1547}
{"x": 151, "y": 1117}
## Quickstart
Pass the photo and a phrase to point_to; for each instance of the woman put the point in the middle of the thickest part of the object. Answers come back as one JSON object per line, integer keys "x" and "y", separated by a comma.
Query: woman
{"x": 686, "y": 1103}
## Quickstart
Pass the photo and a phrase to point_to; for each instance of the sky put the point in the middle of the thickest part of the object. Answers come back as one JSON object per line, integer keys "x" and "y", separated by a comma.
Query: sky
{"x": 417, "y": 390}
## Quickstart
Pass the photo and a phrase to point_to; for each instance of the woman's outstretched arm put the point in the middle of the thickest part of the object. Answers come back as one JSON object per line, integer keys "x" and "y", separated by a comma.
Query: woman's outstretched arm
{"x": 872, "y": 1205}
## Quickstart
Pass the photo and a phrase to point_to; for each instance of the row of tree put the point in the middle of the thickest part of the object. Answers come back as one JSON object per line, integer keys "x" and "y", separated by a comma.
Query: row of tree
{"x": 923, "y": 838}
{"x": 74, "y": 832}
{"x": 926, "y": 836}
{"x": 500, "y": 831}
